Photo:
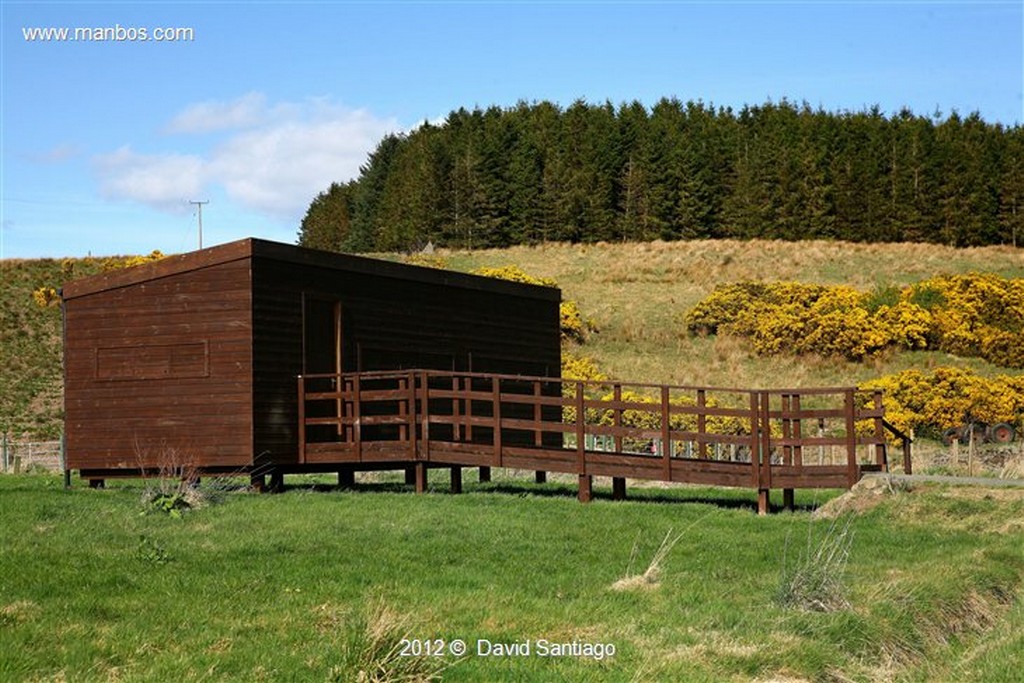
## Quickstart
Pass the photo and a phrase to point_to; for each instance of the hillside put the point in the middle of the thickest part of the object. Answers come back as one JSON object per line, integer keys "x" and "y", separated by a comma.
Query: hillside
{"x": 636, "y": 293}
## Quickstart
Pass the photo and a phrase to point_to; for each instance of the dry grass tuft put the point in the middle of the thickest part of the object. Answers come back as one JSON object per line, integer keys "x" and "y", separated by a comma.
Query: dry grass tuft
{"x": 372, "y": 651}
{"x": 815, "y": 582}
{"x": 18, "y": 612}
{"x": 651, "y": 577}
{"x": 1013, "y": 468}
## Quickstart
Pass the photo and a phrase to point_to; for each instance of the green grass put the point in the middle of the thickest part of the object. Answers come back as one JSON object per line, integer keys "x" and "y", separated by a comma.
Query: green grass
{"x": 274, "y": 587}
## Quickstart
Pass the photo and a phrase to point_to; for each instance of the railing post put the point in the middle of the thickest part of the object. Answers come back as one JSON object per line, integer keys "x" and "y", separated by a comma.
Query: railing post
{"x": 765, "y": 478}
{"x": 851, "y": 438}
{"x": 496, "y": 398}
{"x": 537, "y": 415}
{"x": 617, "y": 417}
{"x": 702, "y": 422}
{"x": 411, "y": 414}
{"x": 425, "y": 414}
{"x": 787, "y": 429}
{"x": 666, "y": 436}
{"x": 755, "y": 440}
{"x": 302, "y": 418}
{"x": 798, "y": 432}
{"x": 468, "y": 388}
{"x": 357, "y": 411}
{"x": 581, "y": 433}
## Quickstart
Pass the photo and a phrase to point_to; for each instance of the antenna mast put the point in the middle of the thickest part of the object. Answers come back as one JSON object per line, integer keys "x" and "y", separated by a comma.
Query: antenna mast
{"x": 199, "y": 206}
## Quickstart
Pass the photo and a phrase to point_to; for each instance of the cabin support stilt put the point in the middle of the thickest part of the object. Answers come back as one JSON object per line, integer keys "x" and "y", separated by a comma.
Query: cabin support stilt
{"x": 586, "y": 488}
{"x": 618, "y": 488}
{"x": 787, "y": 500}
{"x": 420, "y": 476}
{"x": 456, "y": 480}
{"x": 763, "y": 501}
{"x": 346, "y": 478}
{"x": 485, "y": 475}
{"x": 541, "y": 477}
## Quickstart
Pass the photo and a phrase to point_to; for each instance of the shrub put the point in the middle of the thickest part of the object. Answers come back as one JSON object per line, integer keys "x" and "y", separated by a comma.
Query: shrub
{"x": 581, "y": 367}
{"x": 948, "y": 397}
{"x": 45, "y": 297}
{"x": 968, "y": 315}
{"x": 515, "y": 274}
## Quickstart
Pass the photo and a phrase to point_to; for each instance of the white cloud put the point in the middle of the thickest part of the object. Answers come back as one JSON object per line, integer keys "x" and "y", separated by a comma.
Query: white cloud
{"x": 165, "y": 181}
{"x": 56, "y": 155}
{"x": 204, "y": 117}
{"x": 274, "y": 160}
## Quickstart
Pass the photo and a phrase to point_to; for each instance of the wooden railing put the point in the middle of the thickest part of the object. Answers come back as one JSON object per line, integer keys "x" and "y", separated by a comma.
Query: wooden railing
{"x": 762, "y": 439}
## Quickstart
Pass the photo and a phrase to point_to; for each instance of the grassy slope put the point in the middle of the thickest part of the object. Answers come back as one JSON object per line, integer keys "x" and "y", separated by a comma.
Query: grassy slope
{"x": 30, "y": 350}
{"x": 271, "y": 587}
{"x": 31, "y": 382}
{"x": 637, "y": 294}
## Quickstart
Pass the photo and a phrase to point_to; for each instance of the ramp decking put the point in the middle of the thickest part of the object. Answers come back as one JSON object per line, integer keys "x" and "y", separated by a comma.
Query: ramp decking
{"x": 759, "y": 439}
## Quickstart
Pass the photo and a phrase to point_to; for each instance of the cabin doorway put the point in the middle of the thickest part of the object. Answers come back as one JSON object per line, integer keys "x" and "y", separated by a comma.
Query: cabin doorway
{"x": 321, "y": 355}
{"x": 321, "y": 336}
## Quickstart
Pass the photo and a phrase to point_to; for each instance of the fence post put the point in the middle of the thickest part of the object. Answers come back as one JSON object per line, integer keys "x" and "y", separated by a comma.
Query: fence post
{"x": 881, "y": 450}
{"x": 64, "y": 461}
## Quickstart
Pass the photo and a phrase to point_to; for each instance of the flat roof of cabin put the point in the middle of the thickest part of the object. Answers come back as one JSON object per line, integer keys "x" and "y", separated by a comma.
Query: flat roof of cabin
{"x": 300, "y": 256}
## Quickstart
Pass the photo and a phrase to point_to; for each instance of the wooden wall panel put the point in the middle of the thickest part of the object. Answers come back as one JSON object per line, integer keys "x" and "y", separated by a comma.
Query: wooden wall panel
{"x": 388, "y": 322}
{"x": 160, "y": 370}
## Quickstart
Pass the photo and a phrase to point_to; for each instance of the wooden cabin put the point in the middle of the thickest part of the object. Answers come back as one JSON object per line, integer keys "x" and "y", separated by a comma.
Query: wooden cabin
{"x": 193, "y": 359}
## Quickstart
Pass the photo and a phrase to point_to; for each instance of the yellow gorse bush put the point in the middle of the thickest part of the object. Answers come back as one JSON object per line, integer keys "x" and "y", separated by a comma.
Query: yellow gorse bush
{"x": 969, "y": 315}
{"x": 45, "y": 297}
{"x": 948, "y": 397}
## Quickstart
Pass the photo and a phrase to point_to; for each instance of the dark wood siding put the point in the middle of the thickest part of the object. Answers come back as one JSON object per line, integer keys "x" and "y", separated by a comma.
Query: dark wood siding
{"x": 195, "y": 357}
{"x": 159, "y": 370}
{"x": 389, "y": 321}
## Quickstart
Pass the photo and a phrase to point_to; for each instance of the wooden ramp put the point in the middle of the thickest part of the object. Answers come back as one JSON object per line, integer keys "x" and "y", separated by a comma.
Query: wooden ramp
{"x": 758, "y": 439}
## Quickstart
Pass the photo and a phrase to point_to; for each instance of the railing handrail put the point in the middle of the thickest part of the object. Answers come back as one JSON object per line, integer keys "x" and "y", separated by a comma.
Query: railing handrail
{"x": 413, "y": 393}
{"x": 387, "y": 374}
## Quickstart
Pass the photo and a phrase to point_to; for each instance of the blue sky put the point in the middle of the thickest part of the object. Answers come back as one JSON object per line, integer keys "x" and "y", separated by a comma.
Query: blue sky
{"x": 104, "y": 142}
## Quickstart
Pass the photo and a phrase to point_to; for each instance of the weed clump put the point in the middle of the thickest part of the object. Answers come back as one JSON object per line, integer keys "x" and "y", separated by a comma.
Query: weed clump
{"x": 815, "y": 582}
{"x": 650, "y": 577}
{"x": 372, "y": 651}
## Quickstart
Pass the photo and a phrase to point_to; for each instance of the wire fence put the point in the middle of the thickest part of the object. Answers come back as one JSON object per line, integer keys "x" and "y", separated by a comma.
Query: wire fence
{"x": 24, "y": 456}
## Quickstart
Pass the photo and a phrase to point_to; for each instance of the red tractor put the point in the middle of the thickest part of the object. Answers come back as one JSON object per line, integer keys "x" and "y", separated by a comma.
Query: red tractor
{"x": 1000, "y": 432}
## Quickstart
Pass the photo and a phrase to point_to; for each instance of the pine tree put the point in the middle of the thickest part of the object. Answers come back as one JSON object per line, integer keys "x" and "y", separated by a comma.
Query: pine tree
{"x": 327, "y": 224}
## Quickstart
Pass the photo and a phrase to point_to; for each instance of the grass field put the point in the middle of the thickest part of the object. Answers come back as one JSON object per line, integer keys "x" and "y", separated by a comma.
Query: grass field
{"x": 281, "y": 587}
{"x": 295, "y": 587}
